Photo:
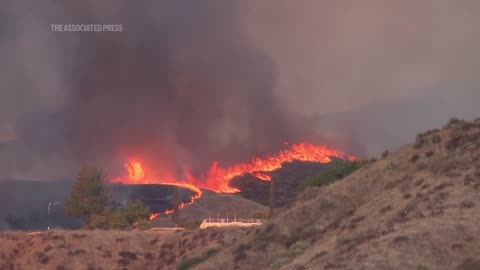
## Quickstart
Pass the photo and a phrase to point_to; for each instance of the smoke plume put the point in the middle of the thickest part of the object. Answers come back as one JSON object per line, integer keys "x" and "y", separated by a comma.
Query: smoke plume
{"x": 179, "y": 86}
{"x": 189, "y": 82}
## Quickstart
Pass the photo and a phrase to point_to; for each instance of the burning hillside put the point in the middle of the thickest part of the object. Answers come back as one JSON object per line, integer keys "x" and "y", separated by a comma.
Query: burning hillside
{"x": 218, "y": 178}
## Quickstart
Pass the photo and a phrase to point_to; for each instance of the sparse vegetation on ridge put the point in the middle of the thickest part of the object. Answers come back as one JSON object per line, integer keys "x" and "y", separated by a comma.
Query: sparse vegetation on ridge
{"x": 188, "y": 263}
{"x": 361, "y": 221}
{"x": 336, "y": 170}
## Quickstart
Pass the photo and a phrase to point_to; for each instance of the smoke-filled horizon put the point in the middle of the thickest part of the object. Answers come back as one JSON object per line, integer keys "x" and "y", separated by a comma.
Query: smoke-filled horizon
{"x": 186, "y": 83}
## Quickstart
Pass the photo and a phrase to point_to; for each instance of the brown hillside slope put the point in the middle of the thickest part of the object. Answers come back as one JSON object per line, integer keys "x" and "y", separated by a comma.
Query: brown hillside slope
{"x": 97, "y": 250}
{"x": 211, "y": 204}
{"x": 223, "y": 204}
{"x": 420, "y": 212}
{"x": 153, "y": 249}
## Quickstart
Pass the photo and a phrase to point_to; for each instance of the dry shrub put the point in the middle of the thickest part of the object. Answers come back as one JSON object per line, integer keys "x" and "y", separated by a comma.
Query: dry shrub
{"x": 78, "y": 236}
{"x": 454, "y": 142}
{"x": 442, "y": 165}
{"x": 414, "y": 158}
{"x": 429, "y": 153}
{"x": 403, "y": 214}
{"x": 128, "y": 255}
{"x": 123, "y": 262}
{"x": 453, "y": 122}
{"x": 239, "y": 252}
{"x": 470, "y": 264}
{"x": 107, "y": 254}
{"x": 421, "y": 166}
{"x": 467, "y": 204}
{"x": 419, "y": 143}
{"x": 347, "y": 244}
{"x": 392, "y": 184}
{"x": 400, "y": 240}
{"x": 120, "y": 240}
{"x": 419, "y": 182}
{"x": 385, "y": 209}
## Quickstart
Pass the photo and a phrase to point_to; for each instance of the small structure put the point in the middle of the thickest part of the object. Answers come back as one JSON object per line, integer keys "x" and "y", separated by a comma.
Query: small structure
{"x": 225, "y": 222}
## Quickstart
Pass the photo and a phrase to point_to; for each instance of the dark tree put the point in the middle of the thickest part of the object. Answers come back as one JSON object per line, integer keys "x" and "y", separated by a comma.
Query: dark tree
{"x": 136, "y": 211}
{"x": 89, "y": 196}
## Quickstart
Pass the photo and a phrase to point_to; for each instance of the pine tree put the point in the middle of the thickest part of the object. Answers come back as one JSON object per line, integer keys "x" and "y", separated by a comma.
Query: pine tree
{"x": 88, "y": 196}
{"x": 136, "y": 211}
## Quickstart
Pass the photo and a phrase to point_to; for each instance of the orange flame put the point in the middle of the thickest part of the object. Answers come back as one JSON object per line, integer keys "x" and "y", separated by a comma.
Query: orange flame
{"x": 153, "y": 216}
{"x": 262, "y": 176}
{"x": 218, "y": 178}
{"x": 135, "y": 170}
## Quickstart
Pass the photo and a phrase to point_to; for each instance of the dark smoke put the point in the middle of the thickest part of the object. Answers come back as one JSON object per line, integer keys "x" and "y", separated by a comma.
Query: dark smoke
{"x": 178, "y": 87}
{"x": 188, "y": 82}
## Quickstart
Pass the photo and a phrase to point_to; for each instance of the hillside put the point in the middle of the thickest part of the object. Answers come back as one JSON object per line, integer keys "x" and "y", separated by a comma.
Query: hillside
{"x": 68, "y": 250}
{"x": 212, "y": 203}
{"x": 418, "y": 209}
{"x": 289, "y": 181}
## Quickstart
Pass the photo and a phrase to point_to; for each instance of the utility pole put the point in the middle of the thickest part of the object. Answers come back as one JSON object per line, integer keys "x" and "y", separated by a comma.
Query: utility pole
{"x": 271, "y": 201}
{"x": 49, "y": 215}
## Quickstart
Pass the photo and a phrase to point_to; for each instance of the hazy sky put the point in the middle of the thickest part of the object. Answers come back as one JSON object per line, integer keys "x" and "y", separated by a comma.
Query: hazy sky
{"x": 335, "y": 56}
{"x": 198, "y": 81}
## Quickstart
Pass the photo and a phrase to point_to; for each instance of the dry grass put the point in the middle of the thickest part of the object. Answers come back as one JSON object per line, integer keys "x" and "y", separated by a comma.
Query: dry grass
{"x": 106, "y": 249}
{"x": 424, "y": 213}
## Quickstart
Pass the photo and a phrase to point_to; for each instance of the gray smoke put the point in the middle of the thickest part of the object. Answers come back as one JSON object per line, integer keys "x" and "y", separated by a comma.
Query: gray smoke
{"x": 178, "y": 86}
{"x": 189, "y": 82}
{"x": 373, "y": 72}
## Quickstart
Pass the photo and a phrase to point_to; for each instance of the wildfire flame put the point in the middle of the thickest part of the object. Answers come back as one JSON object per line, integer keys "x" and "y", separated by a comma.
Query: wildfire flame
{"x": 218, "y": 178}
{"x": 135, "y": 170}
{"x": 153, "y": 216}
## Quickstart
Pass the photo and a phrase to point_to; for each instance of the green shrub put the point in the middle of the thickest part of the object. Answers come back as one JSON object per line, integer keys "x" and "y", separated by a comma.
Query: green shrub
{"x": 188, "y": 263}
{"x": 336, "y": 170}
{"x": 385, "y": 154}
{"x": 118, "y": 220}
{"x": 89, "y": 196}
{"x": 99, "y": 221}
{"x": 135, "y": 211}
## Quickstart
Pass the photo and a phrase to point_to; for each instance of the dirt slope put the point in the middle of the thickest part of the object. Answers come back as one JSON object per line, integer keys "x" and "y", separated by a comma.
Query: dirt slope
{"x": 418, "y": 209}
{"x": 154, "y": 249}
{"x": 88, "y": 250}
